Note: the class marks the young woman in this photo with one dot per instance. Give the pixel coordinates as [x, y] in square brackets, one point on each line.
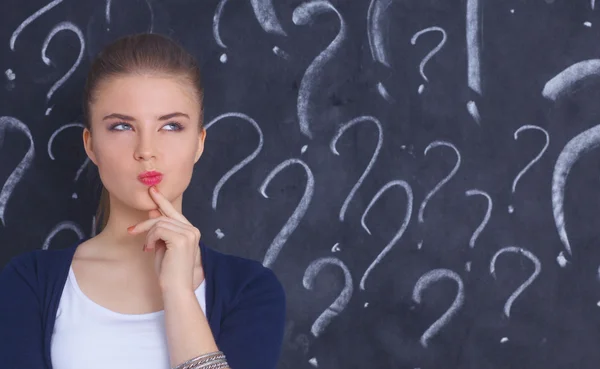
[145, 292]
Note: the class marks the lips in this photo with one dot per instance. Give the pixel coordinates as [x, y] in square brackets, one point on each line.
[150, 178]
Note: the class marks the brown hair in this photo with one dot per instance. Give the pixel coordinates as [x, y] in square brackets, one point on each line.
[143, 53]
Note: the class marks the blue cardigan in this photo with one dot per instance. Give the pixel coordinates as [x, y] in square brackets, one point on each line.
[245, 307]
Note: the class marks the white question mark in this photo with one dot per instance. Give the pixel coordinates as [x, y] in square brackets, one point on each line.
[13, 38]
[486, 218]
[304, 14]
[244, 162]
[586, 141]
[7, 122]
[267, 17]
[413, 40]
[62, 26]
[527, 283]
[29, 20]
[61, 227]
[377, 39]
[334, 141]
[511, 209]
[292, 223]
[340, 302]
[399, 233]
[440, 183]
[473, 25]
[216, 28]
[570, 78]
[51, 140]
[424, 282]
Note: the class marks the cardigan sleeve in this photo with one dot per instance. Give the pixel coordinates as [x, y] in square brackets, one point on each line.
[20, 319]
[251, 333]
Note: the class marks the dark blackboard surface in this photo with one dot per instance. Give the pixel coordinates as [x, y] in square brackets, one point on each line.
[442, 217]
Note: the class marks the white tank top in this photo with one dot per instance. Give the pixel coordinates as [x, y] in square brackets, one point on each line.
[88, 335]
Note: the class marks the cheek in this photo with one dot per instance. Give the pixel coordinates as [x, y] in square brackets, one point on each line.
[183, 154]
[106, 148]
[111, 160]
[182, 163]
[111, 176]
[111, 163]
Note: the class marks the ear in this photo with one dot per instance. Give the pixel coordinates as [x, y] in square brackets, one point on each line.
[201, 138]
[87, 145]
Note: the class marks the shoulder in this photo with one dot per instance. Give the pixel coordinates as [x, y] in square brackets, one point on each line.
[241, 278]
[23, 263]
[20, 272]
[34, 266]
[38, 258]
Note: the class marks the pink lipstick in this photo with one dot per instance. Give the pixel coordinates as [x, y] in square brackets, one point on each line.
[150, 178]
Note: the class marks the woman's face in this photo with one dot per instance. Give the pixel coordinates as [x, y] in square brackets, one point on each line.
[141, 123]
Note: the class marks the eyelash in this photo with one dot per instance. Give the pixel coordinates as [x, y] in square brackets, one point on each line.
[178, 125]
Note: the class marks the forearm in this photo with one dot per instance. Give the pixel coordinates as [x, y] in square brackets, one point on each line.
[188, 332]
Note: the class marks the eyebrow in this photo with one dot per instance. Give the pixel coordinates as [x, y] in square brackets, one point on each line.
[164, 117]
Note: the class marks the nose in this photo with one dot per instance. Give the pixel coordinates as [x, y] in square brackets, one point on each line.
[145, 149]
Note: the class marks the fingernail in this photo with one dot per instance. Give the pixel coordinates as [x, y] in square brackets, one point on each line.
[129, 229]
[153, 189]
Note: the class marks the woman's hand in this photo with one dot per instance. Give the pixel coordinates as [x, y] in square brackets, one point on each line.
[175, 242]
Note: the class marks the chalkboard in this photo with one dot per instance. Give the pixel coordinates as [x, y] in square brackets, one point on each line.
[422, 176]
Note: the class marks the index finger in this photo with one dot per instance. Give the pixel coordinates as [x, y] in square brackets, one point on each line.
[165, 205]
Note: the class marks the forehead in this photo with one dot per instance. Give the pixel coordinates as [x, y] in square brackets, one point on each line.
[145, 94]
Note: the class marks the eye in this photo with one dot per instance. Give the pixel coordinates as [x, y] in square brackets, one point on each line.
[177, 126]
[113, 126]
